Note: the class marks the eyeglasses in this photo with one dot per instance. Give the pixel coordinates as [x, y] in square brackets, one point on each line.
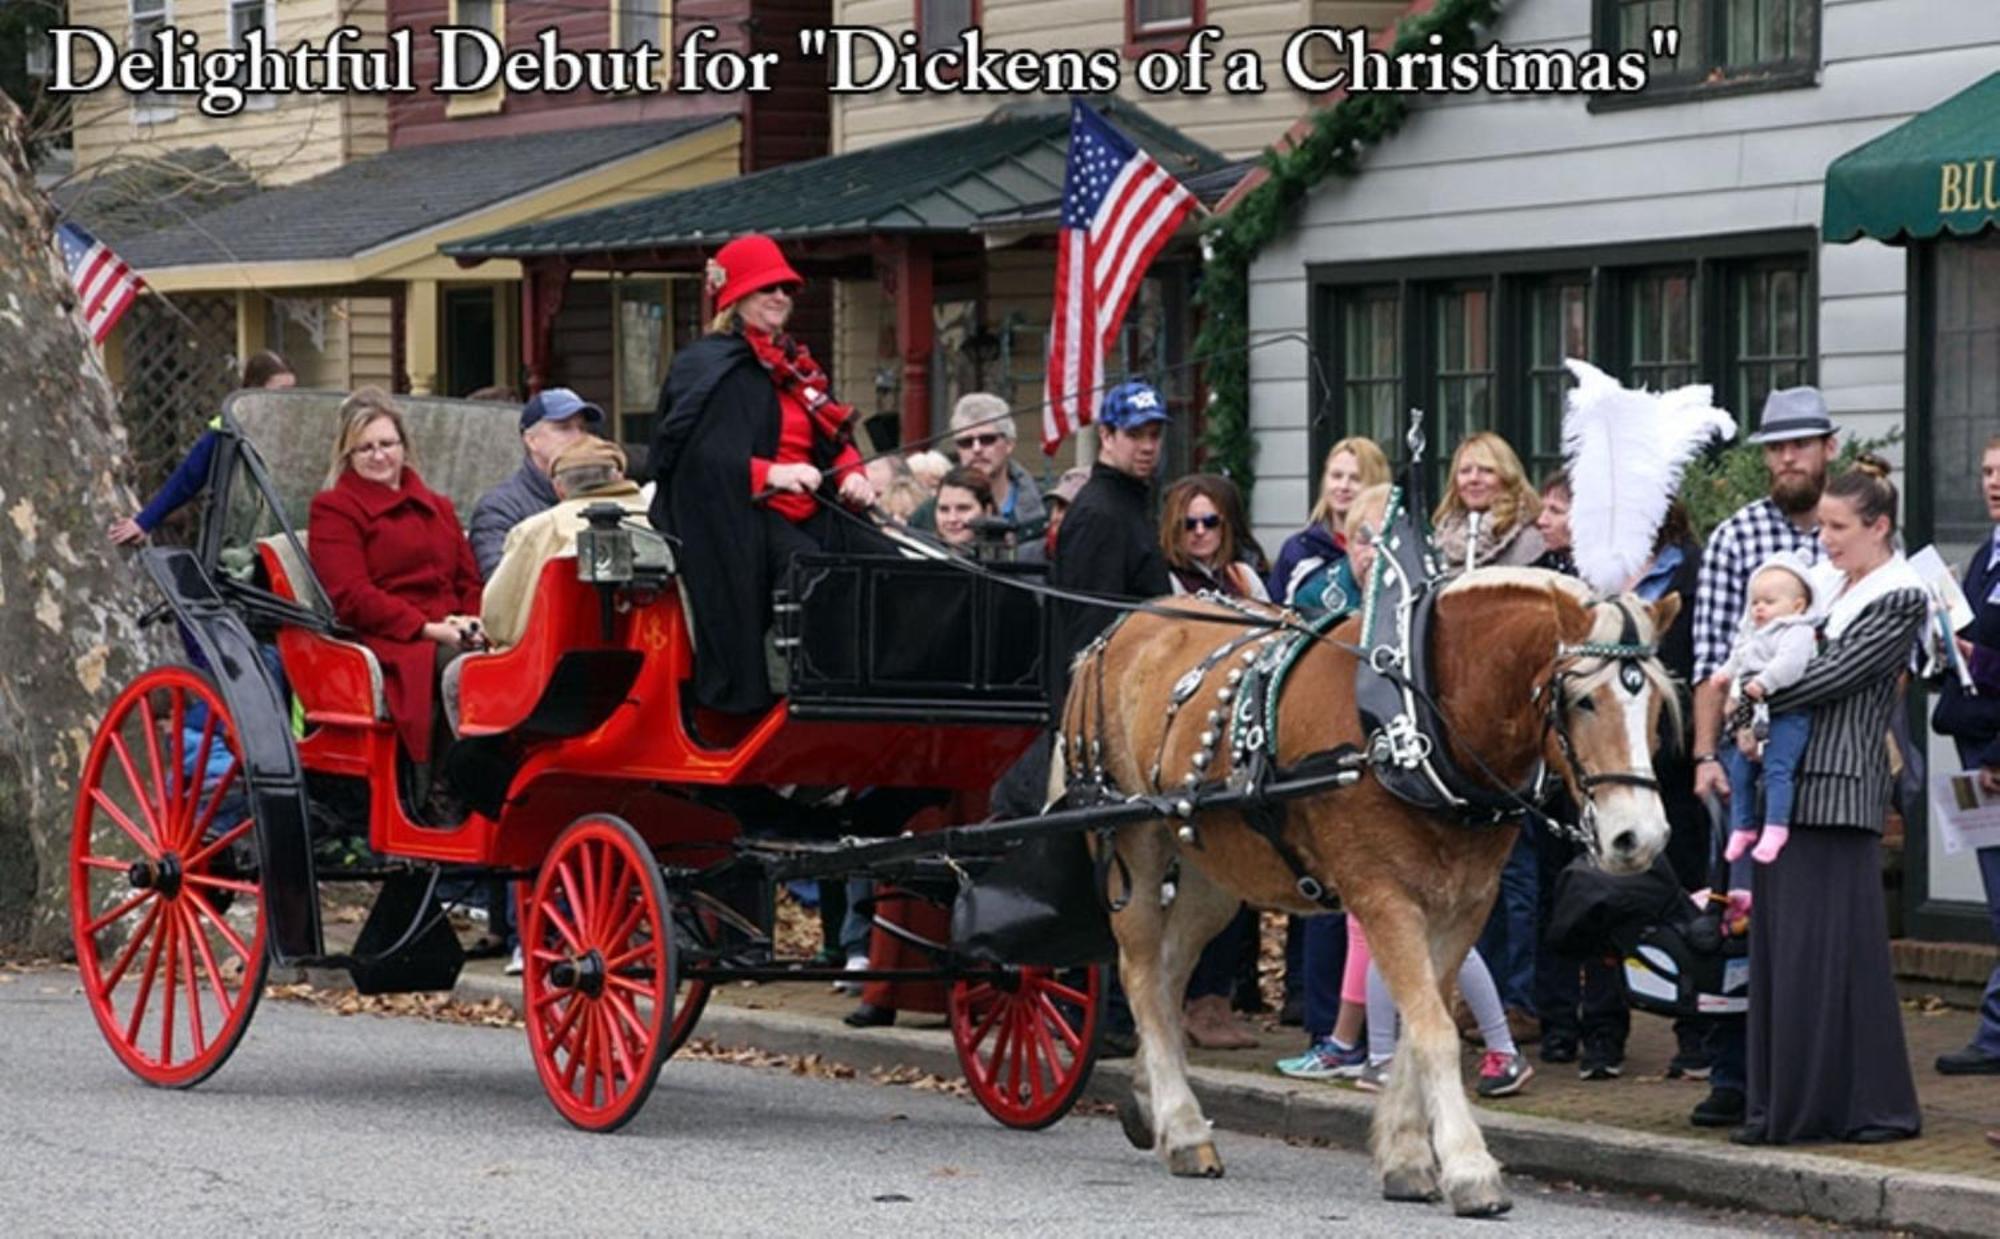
[968, 442]
[1212, 521]
[790, 290]
[382, 447]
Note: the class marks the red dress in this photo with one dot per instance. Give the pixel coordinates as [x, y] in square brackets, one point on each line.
[393, 559]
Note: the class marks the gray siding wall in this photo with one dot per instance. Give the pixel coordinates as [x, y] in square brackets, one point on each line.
[1481, 174]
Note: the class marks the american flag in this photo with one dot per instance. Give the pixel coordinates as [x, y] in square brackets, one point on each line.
[1119, 207]
[105, 284]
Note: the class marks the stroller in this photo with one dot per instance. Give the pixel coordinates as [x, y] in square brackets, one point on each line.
[1678, 962]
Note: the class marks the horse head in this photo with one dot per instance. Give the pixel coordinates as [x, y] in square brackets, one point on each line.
[1603, 696]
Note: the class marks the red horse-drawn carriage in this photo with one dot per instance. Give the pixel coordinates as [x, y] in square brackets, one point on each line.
[647, 835]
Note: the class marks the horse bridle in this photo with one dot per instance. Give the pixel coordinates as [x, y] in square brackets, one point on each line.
[1631, 655]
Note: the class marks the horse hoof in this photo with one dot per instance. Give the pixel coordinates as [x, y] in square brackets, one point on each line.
[1196, 1161]
[1132, 1117]
[1481, 1200]
[1415, 1186]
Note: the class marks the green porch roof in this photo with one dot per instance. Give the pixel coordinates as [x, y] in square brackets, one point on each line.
[1936, 172]
[942, 182]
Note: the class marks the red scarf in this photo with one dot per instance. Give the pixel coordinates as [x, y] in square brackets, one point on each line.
[795, 372]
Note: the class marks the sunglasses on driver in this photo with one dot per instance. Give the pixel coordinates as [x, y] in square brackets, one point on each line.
[1212, 521]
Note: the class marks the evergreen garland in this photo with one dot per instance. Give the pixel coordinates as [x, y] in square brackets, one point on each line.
[1339, 136]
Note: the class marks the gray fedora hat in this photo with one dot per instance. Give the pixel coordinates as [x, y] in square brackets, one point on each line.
[1793, 413]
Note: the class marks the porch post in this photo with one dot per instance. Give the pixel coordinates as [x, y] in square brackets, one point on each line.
[543, 282]
[420, 337]
[916, 328]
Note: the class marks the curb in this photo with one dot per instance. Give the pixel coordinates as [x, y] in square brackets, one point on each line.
[1828, 1189]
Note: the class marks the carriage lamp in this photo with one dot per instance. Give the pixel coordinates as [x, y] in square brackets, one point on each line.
[604, 550]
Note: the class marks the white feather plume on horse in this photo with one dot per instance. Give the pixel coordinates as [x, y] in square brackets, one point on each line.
[1626, 448]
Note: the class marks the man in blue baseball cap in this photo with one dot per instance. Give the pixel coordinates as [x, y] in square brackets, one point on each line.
[554, 420]
[1108, 544]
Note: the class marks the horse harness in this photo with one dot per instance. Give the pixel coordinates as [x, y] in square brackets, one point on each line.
[1258, 662]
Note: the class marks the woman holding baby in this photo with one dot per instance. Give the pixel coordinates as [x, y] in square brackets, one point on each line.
[1827, 1060]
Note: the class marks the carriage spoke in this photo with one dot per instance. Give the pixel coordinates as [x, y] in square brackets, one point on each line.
[150, 970]
[215, 799]
[559, 1027]
[583, 895]
[624, 1010]
[111, 863]
[617, 1063]
[1064, 993]
[1020, 1047]
[91, 930]
[613, 981]
[188, 961]
[168, 992]
[1052, 1018]
[200, 938]
[132, 781]
[176, 774]
[579, 1048]
[117, 815]
[994, 1011]
[571, 903]
[225, 884]
[191, 789]
[611, 883]
[131, 950]
[625, 959]
[569, 936]
[163, 826]
[234, 833]
[1052, 1061]
[628, 926]
[215, 918]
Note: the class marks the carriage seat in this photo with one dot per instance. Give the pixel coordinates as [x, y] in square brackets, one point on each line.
[336, 681]
[563, 678]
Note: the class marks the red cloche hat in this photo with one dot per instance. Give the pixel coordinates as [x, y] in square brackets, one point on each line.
[744, 266]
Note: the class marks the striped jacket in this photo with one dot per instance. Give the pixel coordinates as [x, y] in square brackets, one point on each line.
[1852, 688]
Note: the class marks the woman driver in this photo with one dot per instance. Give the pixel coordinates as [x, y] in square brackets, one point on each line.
[747, 431]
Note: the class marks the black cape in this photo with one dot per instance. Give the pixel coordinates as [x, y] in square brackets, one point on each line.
[718, 408]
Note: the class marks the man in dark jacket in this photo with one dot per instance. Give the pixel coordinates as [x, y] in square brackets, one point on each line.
[1109, 542]
[555, 419]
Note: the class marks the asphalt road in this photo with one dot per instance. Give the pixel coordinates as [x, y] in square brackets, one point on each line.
[365, 1124]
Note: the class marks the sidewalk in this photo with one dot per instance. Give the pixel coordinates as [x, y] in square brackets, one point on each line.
[1630, 1133]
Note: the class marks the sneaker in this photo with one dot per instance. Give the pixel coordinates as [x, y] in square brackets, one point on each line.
[1689, 1066]
[1600, 1064]
[1558, 1047]
[1374, 1077]
[855, 963]
[1326, 1060]
[514, 964]
[1502, 1075]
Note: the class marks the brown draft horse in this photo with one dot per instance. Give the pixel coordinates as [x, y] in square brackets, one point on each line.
[1422, 885]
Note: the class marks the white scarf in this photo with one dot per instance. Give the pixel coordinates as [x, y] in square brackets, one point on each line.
[1850, 600]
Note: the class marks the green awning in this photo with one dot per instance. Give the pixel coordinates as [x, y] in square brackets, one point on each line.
[1937, 172]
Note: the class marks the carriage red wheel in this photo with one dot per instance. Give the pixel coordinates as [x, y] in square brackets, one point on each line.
[1027, 1039]
[692, 997]
[598, 975]
[166, 904]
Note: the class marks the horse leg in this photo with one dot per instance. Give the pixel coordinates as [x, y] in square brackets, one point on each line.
[1157, 949]
[1400, 1138]
[1469, 1174]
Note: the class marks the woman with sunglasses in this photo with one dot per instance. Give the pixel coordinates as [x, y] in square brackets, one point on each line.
[1202, 545]
[747, 439]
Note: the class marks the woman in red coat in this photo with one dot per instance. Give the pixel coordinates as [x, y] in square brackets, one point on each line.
[396, 565]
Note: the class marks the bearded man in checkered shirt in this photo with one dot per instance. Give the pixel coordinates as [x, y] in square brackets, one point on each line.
[1799, 441]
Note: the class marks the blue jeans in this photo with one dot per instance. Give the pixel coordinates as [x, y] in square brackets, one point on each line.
[1325, 957]
[1782, 750]
[1514, 929]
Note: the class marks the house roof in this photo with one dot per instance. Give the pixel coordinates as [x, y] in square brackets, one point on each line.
[948, 181]
[373, 201]
[125, 198]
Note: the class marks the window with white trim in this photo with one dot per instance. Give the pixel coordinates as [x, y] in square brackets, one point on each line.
[244, 17]
[149, 17]
[638, 22]
[490, 16]
[940, 22]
